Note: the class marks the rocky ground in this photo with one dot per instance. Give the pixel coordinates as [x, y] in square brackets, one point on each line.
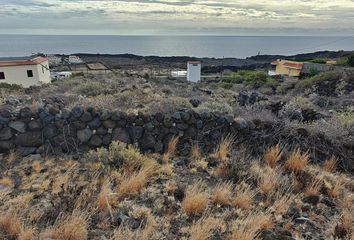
[122, 194]
[249, 187]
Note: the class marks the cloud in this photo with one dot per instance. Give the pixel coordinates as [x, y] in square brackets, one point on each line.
[163, 16]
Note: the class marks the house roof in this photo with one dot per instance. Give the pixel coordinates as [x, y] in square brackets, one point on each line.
[293, 65]
[96, 66]
[21, 61]
[194, 62]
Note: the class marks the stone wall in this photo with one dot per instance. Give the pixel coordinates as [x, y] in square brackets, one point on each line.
[54, 131]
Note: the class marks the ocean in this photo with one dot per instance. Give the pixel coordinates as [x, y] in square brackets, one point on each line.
[197, 46]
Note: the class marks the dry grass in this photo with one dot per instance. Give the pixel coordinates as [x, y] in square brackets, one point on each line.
[244, 196]
[204, 227]
[282, 204]
[6, 181]
[196, 200]
[37, 166]
[273, 155]
[335, 189]
[248, 228]
[27, 233]
[330, 165]
[11, 225]
[132, 184]
[222, 194]
[196, 153]
[146, 233]
[268, 180]
[314, 187]
[345, 227]
[297, 161]
[224, 148]
[72, 227]
[105, 198]
[171, 149]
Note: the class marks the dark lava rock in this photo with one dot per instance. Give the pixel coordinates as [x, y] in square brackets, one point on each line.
[35, 125]
[312, 199]
[50, 131]
[328, 202]
[179, 193]
[86, 117]
[106, 114]
[25, 112]
[95, 141]
[293, 211]
[249, 98]
[195, 102]
[84, 135]
[303, 220]
[95, 123]
[120, 134]
[5, 134]
[29, 139]
[77, 111]
[18, 126]
[109, 124]
[6, 145]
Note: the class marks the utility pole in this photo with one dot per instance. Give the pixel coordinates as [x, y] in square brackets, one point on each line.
[222, 68]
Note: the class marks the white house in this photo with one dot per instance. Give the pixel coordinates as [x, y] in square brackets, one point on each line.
[25, 71]
[194, 69]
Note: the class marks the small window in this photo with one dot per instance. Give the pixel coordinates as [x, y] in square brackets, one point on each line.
[2, 75]
[29, 73]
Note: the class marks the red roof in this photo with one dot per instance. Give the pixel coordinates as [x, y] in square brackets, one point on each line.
[293, 65]
[194, 62]
[22, 62]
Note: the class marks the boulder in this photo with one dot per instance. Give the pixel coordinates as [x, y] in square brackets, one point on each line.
[29, 139]
[50, 131]
[109, 124]
[95, 141]
[5, 134]
[18, 126]
[84, 135]
[6, 145]
[86, 117]
[77, 111]
[25, 112]
[195, 102]
[95, 123]
[35, 125]
[120, 134]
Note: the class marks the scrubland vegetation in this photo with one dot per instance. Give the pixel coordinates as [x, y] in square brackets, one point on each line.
[298, 188]
[120, 193]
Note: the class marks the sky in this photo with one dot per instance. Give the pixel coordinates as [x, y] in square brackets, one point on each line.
[178, 17]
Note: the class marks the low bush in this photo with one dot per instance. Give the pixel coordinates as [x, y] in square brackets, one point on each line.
[254, 79]
[10, 87]
[310, 82]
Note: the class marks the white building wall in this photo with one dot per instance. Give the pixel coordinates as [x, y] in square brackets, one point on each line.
[18, 75]
[194, 72]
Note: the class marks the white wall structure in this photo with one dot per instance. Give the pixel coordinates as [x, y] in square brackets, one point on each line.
[26, 71]
[194, 69]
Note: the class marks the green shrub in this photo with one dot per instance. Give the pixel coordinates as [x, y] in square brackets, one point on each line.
[319, 60]
[11, 87]
[351, 61]
[326, 76]
[254, 79]
[225, 85]
[92, 89]
[214, 105]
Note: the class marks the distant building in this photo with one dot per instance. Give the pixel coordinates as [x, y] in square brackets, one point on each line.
[54, 59]
[25, 71]
[178, 73]
[58, 75]
[94, 68]
[194, 69]
[285, 67]
[74, 59]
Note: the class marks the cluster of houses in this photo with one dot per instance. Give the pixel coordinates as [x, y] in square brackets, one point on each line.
[29, 71]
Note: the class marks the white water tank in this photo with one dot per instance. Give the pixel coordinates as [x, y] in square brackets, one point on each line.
[194, 69]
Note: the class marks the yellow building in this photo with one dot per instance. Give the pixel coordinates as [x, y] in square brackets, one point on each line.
[289, 68]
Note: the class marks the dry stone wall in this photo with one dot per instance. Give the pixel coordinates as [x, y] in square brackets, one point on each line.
[54, 131]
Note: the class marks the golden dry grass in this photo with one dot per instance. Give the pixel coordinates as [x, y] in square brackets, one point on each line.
[244, 196]
[335, 189]
[196, 200]
[268, 179]
[314, 187]
[330, 165]
[72, 227]
[222, 194]
[273, 155]
[297, 161]
[132, 184]
[105, 198]
[204, 227]
[248, 228]
[11, 225]
[171, 149]
[224, 148]
[6, 181]
[196, 153]
[37, 166]
[27, 233]
[282, 204]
